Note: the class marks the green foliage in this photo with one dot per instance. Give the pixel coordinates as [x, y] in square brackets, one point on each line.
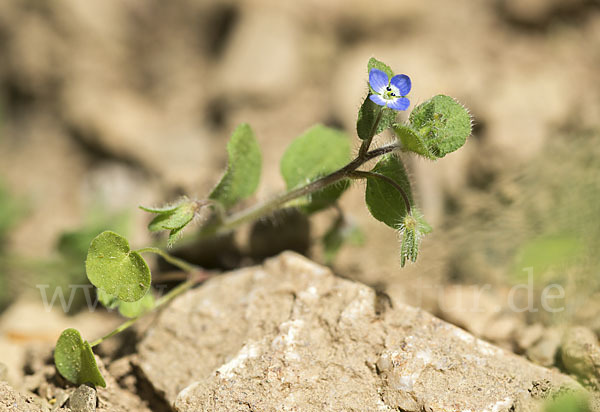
[243, 170]
[567, 402]
[412, 142]
[111, 265]
[437, 127]
[376, 64]
[367, 115]
[135, 309]
[385, 203]
[127, 309]
[108, 301]
[75, 360]
[546, 252]
[340, 232]
[317, 152]
[173, 218]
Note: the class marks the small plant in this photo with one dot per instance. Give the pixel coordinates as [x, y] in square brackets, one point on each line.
[317, 168]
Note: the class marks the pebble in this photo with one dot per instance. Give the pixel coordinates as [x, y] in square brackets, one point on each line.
[83, 399]
[529, 335]
[544, 351]
[580, 353]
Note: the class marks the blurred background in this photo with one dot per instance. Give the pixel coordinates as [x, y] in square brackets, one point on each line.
[108, 105]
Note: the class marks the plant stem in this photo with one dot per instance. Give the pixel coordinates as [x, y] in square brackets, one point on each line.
[178, 290]
[364, 147]
[181, 264]
[271, 205]
[357, 174]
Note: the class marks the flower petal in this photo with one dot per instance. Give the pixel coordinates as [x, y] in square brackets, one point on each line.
[400, 103]
[378, 80]
[403, 83]
[375, 98]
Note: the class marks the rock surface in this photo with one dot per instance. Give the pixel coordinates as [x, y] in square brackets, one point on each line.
[11, 400]
[290, 336]
[83, 399]
[580, 354]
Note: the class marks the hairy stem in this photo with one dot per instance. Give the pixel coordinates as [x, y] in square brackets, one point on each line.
[181, 264]
[364, 175]
[269, 206]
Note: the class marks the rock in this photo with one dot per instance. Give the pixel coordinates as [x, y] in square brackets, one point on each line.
[13, 401]
[290, 336]
[544, 351]
[503, 329]
[469, 306]
[529, 335]
[580, 354]
[83, 399]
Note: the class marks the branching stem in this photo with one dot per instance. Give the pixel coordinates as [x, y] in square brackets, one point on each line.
[195, 275]
[269, 206]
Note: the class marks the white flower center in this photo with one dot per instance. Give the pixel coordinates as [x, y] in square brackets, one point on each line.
[391, 93]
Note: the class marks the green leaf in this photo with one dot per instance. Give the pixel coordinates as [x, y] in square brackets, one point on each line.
[412, 142]
[108, 301]
[367, 115]
[340, 232]
[324, 198]
[112, 266]
[441, 124]
[316, 153]
[384, 202]
[135, 309]
[174, 219]
[160, 209]
[243, 170]
[75, 360]
[376, 64]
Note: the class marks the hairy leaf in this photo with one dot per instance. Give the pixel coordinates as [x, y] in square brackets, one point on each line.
[243, 170]
[112, 266]
[317, 152]
[385, 203]
[412, 141]
[376, 64]
[441, 124]
[175, 218]
[367, 115]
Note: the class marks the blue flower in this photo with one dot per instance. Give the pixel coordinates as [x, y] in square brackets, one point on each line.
[389, 93]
